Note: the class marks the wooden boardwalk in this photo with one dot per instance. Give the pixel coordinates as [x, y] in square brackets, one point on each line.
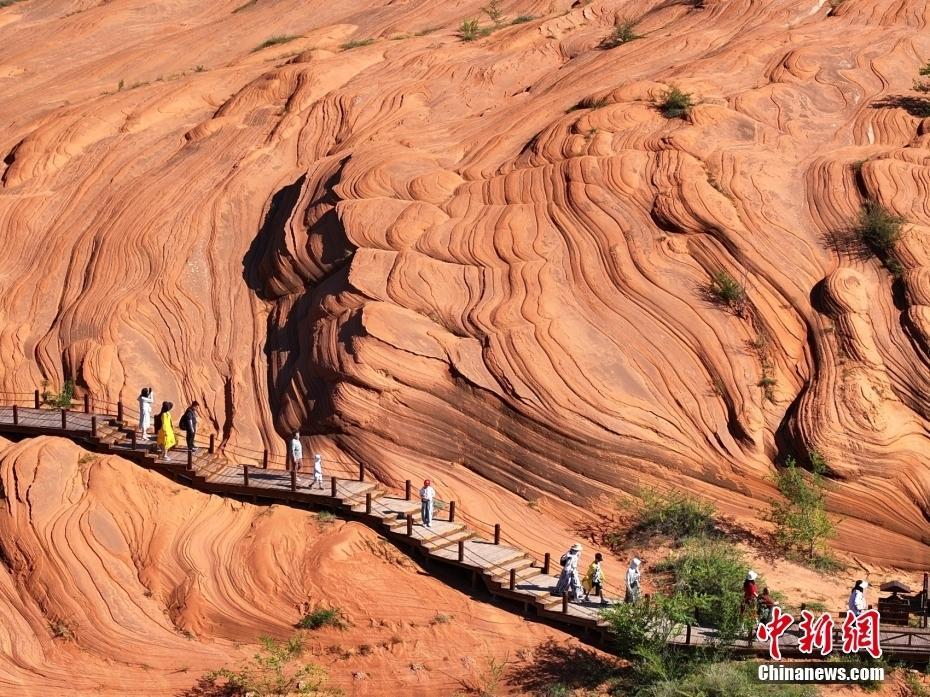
[507, 572]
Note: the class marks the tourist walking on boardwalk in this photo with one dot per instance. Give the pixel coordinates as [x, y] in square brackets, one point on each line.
[632, 581]
[595, 579]
[750, 593]
[145, 411]
[317, 470]
[857, 604]
[297, 452]
[188, 423]
[165, 437]
[427, 494]
[568, 579]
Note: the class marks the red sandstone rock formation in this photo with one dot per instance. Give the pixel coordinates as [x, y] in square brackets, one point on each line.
[420, 251]
[115, 581]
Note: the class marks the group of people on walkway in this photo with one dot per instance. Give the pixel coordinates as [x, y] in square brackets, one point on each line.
[579, 589]
[163, 424]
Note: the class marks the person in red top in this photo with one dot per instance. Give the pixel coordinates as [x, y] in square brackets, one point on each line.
[765, 604]
[750, 593]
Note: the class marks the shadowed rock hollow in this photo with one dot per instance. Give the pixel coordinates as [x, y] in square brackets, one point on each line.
[486, 260]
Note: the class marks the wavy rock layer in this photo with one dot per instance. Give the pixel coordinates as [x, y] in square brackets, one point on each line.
[423, 254]
[116, 581]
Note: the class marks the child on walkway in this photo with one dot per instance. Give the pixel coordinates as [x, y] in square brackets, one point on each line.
[317, 470]
[594, 579]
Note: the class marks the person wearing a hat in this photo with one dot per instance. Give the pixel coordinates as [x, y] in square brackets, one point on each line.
[427, 494]
[632, 581]
[317, 470]
[750, 593]
[857, 604]
[568, 579]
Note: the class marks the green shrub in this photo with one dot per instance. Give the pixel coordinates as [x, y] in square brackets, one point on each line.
[323, 617]
[802, 526]
[709, 575]
[725, 679]
[925, 70]
[676, 104]
[879, 229]
[522, 19]
[470, 30]
[623, 33]
[673, 513]
[275, 41]
[555, 690]
[60, 400]
[727, 291]
[356, 43]
[637, 628]
[274, 670]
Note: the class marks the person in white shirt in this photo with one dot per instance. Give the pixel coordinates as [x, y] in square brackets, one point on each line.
[632, 581]
[145, 411]
[297, 452]
[317, 470]
[857, 604]
[427, 494]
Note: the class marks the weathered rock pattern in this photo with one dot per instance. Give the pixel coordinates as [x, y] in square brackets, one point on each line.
[116, 581]
[486, 260]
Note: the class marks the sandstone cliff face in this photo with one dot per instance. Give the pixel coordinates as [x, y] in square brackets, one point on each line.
[486, 260]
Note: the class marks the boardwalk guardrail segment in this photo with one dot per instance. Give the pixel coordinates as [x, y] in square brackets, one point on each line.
[458, 540]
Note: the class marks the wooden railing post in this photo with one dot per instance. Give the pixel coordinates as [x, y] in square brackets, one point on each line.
[212, 443]
[451, 511]
[293, 480]
[409, 525]
[15, 415]
[265, 459]
[86, 403]
[245, 475]
[461, 550]
[332, 487]
[497, 533]
[132, 439]
[407, 489]
[64, 419]
[546, 560]
[513, 579]
[688, 634]
[119, 411]
[37, 402]
[565, 602]
[93, 426]
[361, 471]
[368, 503]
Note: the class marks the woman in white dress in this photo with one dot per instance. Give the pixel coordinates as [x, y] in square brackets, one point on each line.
[145, 411]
